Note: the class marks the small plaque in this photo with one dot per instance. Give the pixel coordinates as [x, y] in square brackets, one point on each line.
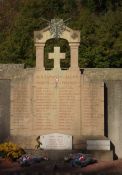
[98, 144]
[56, 141]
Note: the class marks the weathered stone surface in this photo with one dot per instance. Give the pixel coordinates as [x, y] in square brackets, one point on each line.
[103, 74]
[98, 145]
[53, 100]
[114, 94]
[92, 107]
[10, 67]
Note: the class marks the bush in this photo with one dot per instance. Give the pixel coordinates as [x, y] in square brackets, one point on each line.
[11, 150]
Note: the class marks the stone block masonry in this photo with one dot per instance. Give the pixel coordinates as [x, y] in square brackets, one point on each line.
[35, 102]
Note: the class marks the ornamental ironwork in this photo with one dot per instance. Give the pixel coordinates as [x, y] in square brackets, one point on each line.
[57, 27]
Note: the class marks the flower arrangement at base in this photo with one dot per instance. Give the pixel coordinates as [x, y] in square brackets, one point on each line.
[11, 150]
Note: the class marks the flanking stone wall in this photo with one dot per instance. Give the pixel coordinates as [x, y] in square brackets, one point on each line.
[21, 106]
[92, 107]
[112, 78]
[15, 84]
[103, 74]
[115, 114]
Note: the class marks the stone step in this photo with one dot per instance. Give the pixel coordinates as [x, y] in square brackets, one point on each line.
[58, 155]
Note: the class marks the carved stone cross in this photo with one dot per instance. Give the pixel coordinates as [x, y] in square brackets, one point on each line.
[57, 55]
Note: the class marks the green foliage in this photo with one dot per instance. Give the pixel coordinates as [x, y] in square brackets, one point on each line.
[101, 6]
[11, 150]
[99, 22]
[101, 40]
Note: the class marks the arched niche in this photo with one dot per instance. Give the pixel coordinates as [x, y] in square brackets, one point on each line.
[64, 47]
[42, 36]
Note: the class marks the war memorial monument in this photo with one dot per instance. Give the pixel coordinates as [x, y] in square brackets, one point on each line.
[68, 109]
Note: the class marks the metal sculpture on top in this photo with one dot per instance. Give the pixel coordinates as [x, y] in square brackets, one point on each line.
[57, 26]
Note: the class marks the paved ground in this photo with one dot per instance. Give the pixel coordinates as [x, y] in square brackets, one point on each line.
[48, 167]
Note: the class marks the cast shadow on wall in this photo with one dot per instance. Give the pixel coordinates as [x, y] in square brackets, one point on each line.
[4, 110]
[115, 157]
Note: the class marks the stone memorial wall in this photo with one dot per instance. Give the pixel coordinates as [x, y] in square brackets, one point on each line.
[54, 94]
[36, 102]
[55, 101]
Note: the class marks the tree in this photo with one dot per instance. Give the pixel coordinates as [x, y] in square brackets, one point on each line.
[101, 38]
[99, 22]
